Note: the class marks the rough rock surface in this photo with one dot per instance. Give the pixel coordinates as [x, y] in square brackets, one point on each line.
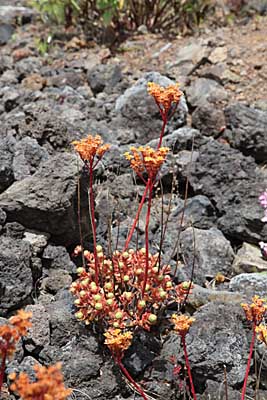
[45, 201]
[15, 283]
[248, 130]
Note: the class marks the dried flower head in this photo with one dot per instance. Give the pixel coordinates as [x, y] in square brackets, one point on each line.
[118, 341]
[90, 147]
[256, 310]
[182, 323]
[262, 333]
[12, 332]
[164, 96]
[49, 384]
[146, 159]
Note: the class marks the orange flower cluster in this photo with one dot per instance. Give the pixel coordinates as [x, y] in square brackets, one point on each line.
[117, 341]
[90, 147]
[11, 333]
[182, 323]
[262, 333]
[146, 159]
[118, 300]
[164, 96]
[256, 310]
[49, 384]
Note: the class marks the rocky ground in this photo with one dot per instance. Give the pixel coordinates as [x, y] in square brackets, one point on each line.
[47, 102]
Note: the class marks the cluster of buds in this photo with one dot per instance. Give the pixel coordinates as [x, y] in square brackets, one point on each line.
[13, 331]
[49, 384]
[117, 300]
[145, 159]
[256, 310]
[91, 147]
[165, 97]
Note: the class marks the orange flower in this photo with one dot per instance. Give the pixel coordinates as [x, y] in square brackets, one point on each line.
[10, 334]
[117, 341]
[182, 323]
[89, 147]
[256, 310]
[262, 333]
[164, 97]
[21, 321]
[147, 159]
[49, 384]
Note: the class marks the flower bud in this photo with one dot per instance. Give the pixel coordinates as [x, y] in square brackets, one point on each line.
[126, 278]
[80, 270]
[118, 315]
[79, 315]
[152, 319]
[99, 248]
[98, 306]
[141, 304]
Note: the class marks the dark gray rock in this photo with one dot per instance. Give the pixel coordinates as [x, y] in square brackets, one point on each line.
[204, 90]
[15, 273]
[7, 145]
[209, 120]
[104, 77]
[57, 257]
[233, 183]
[2, 217]
[137, 109]
[248, 130]
[199, 212]
[250, 284]
[44, 125]
[215, 339]
[180, 139]
[45, 200]
[6, 32]
[39, 334]
[55, 280]
[208, 252]
[28, 155]
[64, 326]
[14, 230]
[72, 79]
[143, 350]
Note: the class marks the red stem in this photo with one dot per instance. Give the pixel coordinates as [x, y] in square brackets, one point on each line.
[2, 369]
[188, 368]
[164, 119]
[92, 210]
[150, 185]
[249, 361]
[136, 218]
[128, 376]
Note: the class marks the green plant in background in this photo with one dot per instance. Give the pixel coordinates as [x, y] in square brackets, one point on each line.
[56, 11]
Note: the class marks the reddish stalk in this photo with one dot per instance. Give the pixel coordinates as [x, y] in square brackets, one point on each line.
[249, 361]
[164, 119]
[188, 368]
[136, 218]
[2, 369]
[92, 216]
[130, 379]
[150, 185]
